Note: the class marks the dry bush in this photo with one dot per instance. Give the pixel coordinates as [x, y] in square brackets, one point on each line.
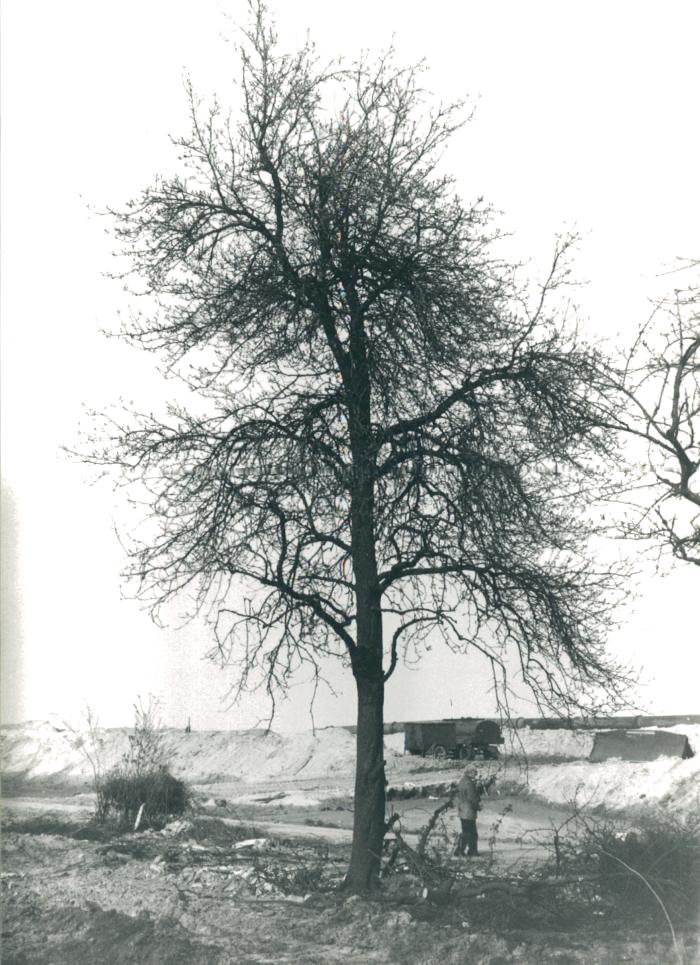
[652, 871]
[140, 788]
[125, 793]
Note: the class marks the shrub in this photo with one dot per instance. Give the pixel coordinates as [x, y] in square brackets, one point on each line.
[124, 791]
[146, 750]
[88, 739]
[142, 780]
[652, 871]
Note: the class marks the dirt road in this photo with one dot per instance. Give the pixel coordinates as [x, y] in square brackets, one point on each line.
[510, 829]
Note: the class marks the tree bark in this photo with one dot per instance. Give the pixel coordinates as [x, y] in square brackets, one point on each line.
[368, 831]
[367, 656]
[370, 791]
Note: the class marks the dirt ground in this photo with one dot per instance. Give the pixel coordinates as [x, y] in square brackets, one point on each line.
[512, 829]
[197, 893]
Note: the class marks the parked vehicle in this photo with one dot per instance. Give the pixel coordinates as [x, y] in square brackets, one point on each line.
[467, 738]
[639, 745]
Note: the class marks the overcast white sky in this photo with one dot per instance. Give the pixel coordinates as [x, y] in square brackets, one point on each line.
[587, 117]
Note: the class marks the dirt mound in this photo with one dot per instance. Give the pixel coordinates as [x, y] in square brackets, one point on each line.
[41, 752]
[75, 936]
[619, 785]
[316, 766]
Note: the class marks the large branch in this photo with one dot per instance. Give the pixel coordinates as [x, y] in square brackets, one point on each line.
[313, 600]
[460, 394]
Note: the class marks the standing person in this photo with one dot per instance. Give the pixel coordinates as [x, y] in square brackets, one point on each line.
[468, 803]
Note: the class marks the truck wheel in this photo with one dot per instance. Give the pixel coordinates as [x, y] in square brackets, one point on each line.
[438, 752]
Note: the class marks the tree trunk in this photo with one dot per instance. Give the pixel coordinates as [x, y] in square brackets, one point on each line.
[368, 829]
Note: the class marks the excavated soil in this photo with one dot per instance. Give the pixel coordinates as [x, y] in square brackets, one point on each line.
[74, 893]
[198, 894]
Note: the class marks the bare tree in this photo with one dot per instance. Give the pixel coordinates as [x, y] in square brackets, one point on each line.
[392, 436]
[658, 384]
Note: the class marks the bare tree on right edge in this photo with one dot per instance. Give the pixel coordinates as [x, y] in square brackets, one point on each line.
[659, 383]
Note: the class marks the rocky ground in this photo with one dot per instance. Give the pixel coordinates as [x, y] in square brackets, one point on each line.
[252, 874]
[210, 890]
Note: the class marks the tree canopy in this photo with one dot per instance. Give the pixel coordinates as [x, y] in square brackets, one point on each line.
[394, 435]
